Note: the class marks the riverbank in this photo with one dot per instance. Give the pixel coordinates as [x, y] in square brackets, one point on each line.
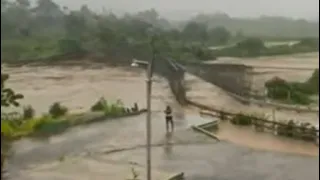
[46, 126]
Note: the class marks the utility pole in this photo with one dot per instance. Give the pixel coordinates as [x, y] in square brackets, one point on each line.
[150, 66]
[148, 119]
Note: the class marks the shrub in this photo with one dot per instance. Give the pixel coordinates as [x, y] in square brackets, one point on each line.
[297, 97]
[310, 134]
[135, 174]
[253, 44]
[307, 131]
[28, 112]
[258, 121]
[100, 105]
[46, 125]
[287, 129]
[8, 96]
[7, 128]
[223, 115]
[110, 109]
[13, 130]
[135, 107]
[241, 119]
[312, 84]
[57, 110]
[294, 92]
[115, 109]
[202, 53]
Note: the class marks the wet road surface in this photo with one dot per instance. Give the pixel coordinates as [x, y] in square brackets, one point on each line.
[249, 137]
[121, 143]
[225, 161]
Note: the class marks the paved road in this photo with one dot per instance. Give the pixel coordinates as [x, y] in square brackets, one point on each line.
[225, 161]
[120, 143]
[106, 136]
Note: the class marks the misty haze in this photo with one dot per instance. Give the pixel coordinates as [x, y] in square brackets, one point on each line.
[179, 9]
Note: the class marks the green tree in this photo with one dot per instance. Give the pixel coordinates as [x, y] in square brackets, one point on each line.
[150, 16]
[8, 96]
[219, 35]
[195, 31]
[75, 25]
[252, 45]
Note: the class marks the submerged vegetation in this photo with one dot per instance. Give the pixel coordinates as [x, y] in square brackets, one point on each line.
[293, 92]
[290, 128]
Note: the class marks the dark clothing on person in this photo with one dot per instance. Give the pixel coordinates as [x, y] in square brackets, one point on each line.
[169, 118]
[169, 122]
[168, 111]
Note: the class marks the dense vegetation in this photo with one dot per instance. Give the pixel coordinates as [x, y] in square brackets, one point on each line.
[268, 27]
[253, 47]
[43, 30]
[294, 92]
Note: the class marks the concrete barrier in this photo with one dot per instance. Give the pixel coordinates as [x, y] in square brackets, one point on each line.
[202, 130]
[275, 105]
[179, 176]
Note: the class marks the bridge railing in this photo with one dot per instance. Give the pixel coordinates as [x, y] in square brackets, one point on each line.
[288, 128]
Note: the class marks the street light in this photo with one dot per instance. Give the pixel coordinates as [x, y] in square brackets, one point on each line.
[136, 63]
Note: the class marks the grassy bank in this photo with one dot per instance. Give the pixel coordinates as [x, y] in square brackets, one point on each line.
[58, 120]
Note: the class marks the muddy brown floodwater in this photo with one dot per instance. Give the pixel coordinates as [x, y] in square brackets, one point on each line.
[79, 88]
[211, 95]
[247, 136]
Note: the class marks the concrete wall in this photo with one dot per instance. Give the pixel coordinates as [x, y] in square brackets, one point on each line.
[179, 176]
[233, 78]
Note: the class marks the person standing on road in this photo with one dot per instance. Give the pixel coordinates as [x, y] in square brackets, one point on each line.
[169, 119]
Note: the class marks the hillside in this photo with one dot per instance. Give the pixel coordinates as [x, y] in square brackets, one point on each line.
[265, 26]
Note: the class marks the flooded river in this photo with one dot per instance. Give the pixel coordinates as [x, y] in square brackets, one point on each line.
[78, 88]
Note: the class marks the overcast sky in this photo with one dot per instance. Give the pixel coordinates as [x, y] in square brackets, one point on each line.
[179, 8]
